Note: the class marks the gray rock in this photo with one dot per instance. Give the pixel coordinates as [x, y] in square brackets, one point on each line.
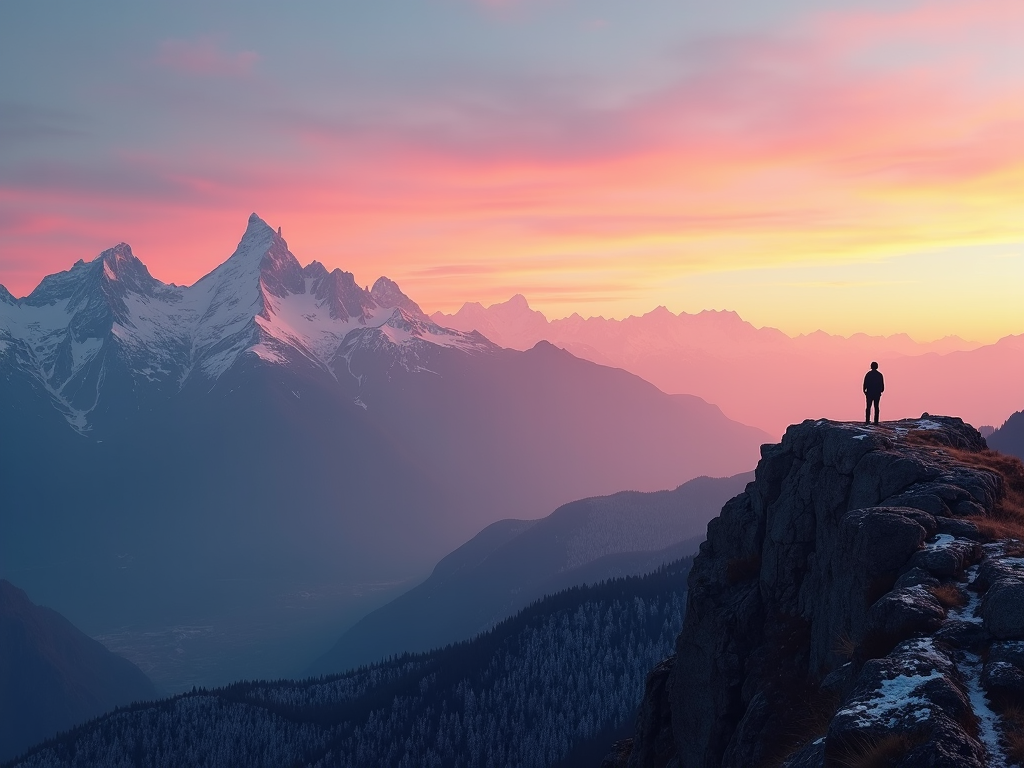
[947, 559]
[1009, 651]
[619, 754]
[1002, 609]
[811, 756]
[914, 577]
[948, 746]
[965, 635]
[1003, 680]
[840, 681]
[960, 529]
[653, 744]
[969, 509]
[909, 704]
[902, 613]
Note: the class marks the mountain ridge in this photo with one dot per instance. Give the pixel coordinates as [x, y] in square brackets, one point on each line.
[713, 354]
[110, 317]
[245, 433]
[511, 563]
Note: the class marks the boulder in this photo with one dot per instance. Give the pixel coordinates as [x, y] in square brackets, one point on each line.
[1002, 609]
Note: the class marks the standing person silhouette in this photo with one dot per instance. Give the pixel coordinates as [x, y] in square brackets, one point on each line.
[874, 386]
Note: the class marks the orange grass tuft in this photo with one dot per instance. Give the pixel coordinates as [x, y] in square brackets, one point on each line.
[949, 596]
[881, 752]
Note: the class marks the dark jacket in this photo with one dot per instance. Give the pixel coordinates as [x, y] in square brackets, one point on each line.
[874, 384]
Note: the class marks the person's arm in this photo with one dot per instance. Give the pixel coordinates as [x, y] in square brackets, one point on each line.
[866, 383]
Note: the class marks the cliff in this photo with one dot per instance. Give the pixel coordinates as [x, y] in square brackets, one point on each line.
[860, 604]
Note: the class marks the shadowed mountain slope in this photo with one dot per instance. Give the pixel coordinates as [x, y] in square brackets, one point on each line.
[1009, 438]
[52, 676]
[511, 563]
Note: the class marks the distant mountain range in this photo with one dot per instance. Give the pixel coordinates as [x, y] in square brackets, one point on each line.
[52, 676]
[763, 377]
[171, 452]
[511, 563]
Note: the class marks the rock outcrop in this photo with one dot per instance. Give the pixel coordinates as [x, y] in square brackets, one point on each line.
[861, 603]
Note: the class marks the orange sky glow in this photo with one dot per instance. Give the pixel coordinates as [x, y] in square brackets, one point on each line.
[850, 170]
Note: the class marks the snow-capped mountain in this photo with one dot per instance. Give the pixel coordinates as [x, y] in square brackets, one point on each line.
[109, 320]
[274, 424]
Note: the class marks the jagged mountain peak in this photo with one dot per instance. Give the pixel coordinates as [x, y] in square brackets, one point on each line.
[6, 296]
[344, 298]
[108, 319]
[315, 270]
[262, 255]
[122, 271]
[387, 294]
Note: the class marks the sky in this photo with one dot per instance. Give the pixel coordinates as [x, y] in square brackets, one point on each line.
[848, 166]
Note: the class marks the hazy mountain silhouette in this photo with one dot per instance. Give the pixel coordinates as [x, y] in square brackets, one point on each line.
[52, 676]
[511, 563]
[1009, 438]
[275, 435]
[763, 377]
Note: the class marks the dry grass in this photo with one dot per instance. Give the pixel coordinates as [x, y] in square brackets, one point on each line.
[880, 752]
[949, 596]
[1013, 732]
[843, 646]
[1007, 520]
[1010, 507]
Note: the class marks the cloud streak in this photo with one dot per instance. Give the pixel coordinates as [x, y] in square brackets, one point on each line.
[844, 137]
[204, 57]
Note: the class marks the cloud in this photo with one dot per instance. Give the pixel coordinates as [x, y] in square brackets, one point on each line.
[20, 122]
[204, 56]
[846, 136]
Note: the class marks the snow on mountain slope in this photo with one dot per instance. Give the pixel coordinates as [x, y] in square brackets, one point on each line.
[110, 317]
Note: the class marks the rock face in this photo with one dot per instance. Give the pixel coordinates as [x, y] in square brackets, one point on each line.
[846, 610]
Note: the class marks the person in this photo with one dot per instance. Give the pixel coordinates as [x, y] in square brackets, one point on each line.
[874, 386]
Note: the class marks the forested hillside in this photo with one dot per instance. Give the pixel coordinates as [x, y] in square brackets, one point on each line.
[562, 671]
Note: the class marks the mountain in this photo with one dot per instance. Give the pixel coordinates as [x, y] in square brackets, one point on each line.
[1009, 438]
[859, 604]
[276, 449]
[52, 676]
[763, 377]
[537, 689]
[512, 563]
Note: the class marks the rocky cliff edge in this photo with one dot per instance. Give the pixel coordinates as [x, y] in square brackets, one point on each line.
[860, 604]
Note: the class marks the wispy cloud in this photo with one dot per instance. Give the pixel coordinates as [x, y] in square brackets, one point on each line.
[845, 136]
[204, 56]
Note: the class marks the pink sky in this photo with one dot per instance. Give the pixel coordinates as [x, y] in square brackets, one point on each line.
[804, 168]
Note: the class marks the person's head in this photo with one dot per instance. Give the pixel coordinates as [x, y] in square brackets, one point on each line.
[874, 366]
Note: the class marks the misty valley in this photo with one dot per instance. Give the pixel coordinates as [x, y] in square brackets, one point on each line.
[276, 518]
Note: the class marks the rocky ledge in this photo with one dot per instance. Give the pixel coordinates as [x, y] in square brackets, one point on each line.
[860, 604]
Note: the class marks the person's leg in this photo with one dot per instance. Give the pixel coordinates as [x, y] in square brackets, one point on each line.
[876, 400]
[867, 410]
